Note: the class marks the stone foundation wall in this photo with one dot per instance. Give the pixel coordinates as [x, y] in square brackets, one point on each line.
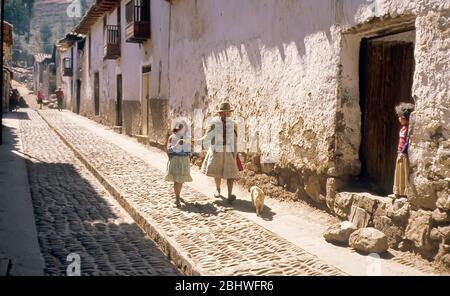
[406, 226]
[131, 117]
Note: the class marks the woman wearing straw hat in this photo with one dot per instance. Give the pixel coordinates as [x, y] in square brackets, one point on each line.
[221, 141]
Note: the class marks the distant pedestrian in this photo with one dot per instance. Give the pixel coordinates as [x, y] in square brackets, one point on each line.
[178, 165]
[60, 98]
[401, 183]
[40, 99]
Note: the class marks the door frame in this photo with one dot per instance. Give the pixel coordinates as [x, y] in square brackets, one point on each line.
[145, 99]
[380, 184]
[119, 100]
[96, 93]
[78, 96]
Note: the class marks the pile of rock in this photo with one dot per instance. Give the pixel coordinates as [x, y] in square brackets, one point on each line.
[376, 223]
[365, 240]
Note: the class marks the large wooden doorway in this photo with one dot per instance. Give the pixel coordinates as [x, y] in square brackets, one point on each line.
[386, 77]
[146, 84]
[78, 97]
[96, 93]
[119, 101]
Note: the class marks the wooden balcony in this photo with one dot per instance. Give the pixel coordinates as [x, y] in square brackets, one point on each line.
[137, 21]
[67, 67]
[111, 48]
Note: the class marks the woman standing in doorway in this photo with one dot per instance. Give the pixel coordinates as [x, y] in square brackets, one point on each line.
[401, 184]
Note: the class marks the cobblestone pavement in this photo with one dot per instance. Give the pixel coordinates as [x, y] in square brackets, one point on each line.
[74, 213]
[205, 232]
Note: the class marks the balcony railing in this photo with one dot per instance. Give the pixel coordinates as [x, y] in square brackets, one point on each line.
[137, 14]
[67, 67]
[112, 42]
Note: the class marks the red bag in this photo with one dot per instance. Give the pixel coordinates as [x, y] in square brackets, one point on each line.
[239, 163]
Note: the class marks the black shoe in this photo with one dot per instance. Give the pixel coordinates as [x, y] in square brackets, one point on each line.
[231, 198]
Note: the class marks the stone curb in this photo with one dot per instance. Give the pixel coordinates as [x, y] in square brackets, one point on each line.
[169, 247]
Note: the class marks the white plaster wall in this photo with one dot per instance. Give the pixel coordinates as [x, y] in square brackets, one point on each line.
[159, 43]
[277, 60]
[430, 140]
[133, 57]
[65, 80]
[289, 64]
[106, 70]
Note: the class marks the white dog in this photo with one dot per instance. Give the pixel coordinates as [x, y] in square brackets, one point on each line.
[257, 199]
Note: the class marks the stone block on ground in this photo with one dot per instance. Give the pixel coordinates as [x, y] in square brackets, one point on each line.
[359, 217]
[435, 234]
[342, 204]
[443, 202]
[419, 227]
[445, 259]
[369, 240]
[332, 185]
[399, 211]
[312, 188]
[366, 201]
[339, 232]
[445, 233]
[425, 196]
[393, 232]
[440, 216]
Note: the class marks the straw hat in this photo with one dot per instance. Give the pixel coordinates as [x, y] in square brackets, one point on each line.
[224, 107]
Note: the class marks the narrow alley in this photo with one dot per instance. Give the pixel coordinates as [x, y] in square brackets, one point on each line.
[225, 139]
[93, 195]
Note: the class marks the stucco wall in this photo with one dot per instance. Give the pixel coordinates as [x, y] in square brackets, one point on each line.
[289, 65]
[430, 143]
[274, 60]
[133, 57]
[430, 147]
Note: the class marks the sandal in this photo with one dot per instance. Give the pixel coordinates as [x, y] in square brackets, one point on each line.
[177, 203]
[231, 198]
[217, 195]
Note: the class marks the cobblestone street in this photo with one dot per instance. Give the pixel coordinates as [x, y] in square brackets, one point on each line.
[179, 139]
[203, 237]
[74, 213]
[98, 197]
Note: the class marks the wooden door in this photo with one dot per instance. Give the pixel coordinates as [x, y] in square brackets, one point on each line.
[119, 101]
[145, 102]
[78, 98]
[97, 94]
[387, 69]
